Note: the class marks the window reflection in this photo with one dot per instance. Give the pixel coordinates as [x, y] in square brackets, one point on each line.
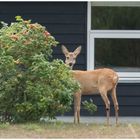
[104, 17]
[123, 55]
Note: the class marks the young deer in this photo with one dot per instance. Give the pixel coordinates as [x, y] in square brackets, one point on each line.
[98, 81]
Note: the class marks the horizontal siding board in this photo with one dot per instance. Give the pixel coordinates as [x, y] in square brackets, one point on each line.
[128, 90]
[124, 111]
[67, 28]
[49, 19]
[42, 7]
[58, 51]
[79, 66]
[120, 93]
[130, 101]
[70, 38]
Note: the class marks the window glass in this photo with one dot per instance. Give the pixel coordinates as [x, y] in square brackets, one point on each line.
[117, 18]
[123, 55]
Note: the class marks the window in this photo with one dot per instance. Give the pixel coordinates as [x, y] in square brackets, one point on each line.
[114, 38]
[122, 55]
[122, 18]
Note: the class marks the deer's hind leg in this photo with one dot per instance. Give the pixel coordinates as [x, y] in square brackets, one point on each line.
[77, 106]
[115, 102]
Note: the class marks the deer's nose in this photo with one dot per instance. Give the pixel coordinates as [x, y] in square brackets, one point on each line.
[70, 64]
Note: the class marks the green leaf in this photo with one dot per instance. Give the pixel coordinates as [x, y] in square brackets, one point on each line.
[19, 18]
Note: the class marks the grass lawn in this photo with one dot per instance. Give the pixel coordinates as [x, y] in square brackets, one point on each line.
[68, 130]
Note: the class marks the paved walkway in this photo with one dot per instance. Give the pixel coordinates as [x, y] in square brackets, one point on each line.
[98, 120]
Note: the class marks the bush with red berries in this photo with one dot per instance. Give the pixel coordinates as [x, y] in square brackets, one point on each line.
[31, 86]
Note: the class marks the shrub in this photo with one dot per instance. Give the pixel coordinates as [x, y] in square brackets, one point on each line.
[23, 40]
[8, 82]
[38, 87]
[3, 24]
[90, 106]
[49, 89]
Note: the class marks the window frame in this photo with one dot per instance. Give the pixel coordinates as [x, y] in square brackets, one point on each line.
[125, 77]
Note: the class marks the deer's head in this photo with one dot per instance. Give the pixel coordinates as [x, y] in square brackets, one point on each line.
[71, 56]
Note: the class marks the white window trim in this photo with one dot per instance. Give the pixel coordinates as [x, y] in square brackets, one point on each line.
[125, 77]
[117, 3]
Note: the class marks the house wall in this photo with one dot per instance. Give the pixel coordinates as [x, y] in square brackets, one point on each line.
[67, 22]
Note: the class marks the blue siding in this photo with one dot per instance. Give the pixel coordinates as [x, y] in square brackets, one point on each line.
[66, 21]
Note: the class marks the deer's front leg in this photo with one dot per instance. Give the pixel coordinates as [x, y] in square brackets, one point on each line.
[77, 106]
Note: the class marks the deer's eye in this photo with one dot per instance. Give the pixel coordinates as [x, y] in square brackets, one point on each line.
[67, 57]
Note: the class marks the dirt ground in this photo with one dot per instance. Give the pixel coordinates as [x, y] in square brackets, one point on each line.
[68, 130]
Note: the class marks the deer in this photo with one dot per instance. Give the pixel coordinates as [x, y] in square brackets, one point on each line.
[92, 82]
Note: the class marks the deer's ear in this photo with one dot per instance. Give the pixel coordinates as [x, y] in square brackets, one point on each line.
[78, 50]
[64, 50]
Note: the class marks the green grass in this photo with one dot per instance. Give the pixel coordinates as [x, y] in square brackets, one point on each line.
[32, 127]
[4, 125]
[60, 129]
